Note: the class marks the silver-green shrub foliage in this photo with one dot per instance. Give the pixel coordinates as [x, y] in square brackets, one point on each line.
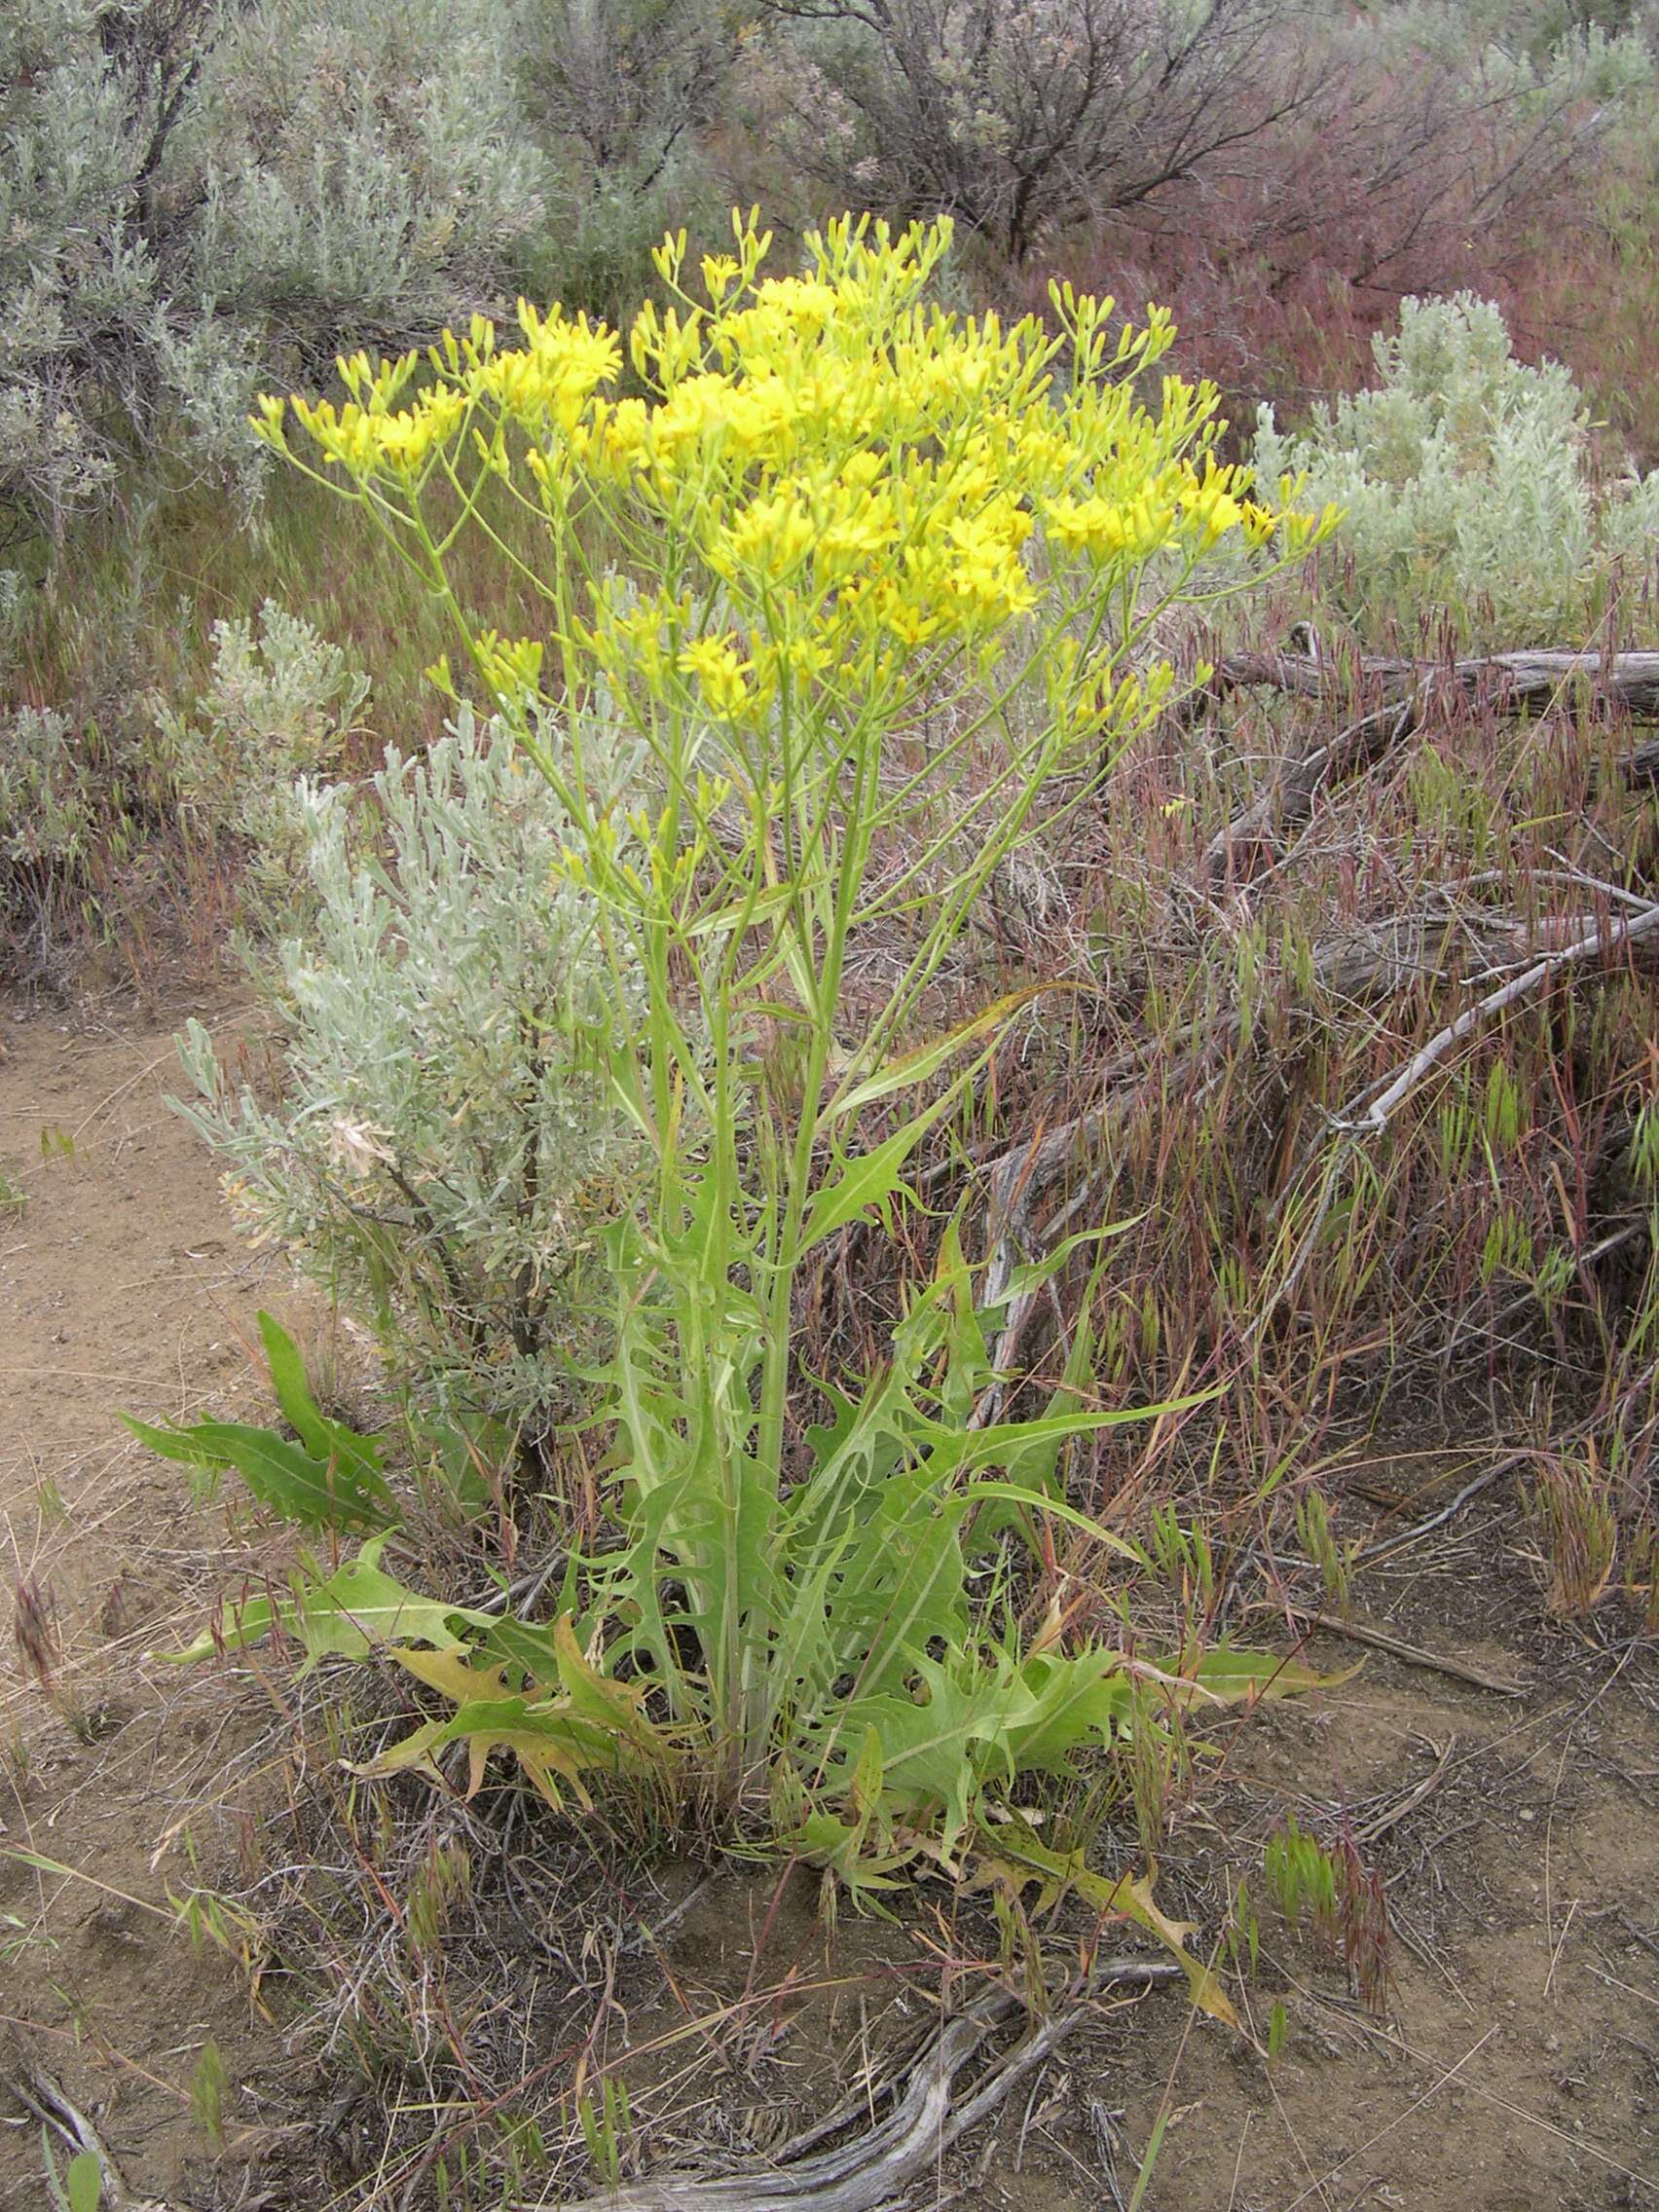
[195, 194]
[46, 807]
[364, 166]
[280, 705]
[1468, 483]
[444, 1148]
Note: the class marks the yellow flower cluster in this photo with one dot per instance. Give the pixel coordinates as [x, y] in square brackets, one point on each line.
[854, 473]
[720, 672]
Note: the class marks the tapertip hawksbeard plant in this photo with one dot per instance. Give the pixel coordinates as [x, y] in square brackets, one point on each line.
[870, 589]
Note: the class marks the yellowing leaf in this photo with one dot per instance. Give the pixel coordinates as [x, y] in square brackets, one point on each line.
[1021, 1859]
[449, 1672]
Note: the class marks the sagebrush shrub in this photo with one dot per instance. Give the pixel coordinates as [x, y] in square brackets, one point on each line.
[365, 167]
[45, 810]
[442, 1148]
[78, 789]
[195, 197]
[1468, 483]
[280, 705]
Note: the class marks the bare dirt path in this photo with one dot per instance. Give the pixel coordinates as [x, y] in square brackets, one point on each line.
[122, 1287]
[1517, 2065]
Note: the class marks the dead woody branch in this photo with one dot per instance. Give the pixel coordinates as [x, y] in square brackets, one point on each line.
[928, 2112]
[1392, 698]
[1511, 681]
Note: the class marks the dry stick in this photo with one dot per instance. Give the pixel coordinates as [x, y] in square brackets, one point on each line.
[1023, 1173]
[1370, 1831]
[1625, 931]
[1373, 962]
[1351, 1130]
[1290, 795]
[46, 2100]
[923, 2120]
[1361, 1632]
[1419, 1528]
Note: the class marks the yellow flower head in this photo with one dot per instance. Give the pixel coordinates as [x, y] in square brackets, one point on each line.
[721, 675]
[850, 471]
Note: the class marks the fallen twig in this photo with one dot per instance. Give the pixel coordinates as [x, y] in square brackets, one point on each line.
[1414, 1655]
[1289, 798]
[1406, 688]
[1373, 962]
[36, 2089]
[1368, 1831]
[1625, 930]
[1448, 1512]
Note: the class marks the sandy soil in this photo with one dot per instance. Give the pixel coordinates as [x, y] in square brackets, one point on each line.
[1517, 2064]
[122, 1288]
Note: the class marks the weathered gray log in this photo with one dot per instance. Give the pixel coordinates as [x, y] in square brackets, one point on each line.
[1594, 942]
[1287, 798]
[1511, 679]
